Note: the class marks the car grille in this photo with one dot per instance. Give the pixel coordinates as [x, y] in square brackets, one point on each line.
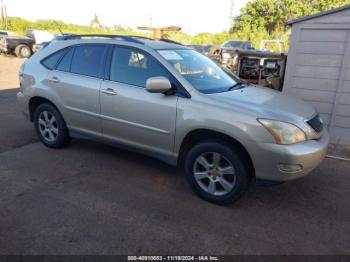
[316, 123]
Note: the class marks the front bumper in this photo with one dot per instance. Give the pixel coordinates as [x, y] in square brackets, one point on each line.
[268, 158]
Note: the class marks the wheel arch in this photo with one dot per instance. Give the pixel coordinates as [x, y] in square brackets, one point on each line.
[35, 101]
[200, 135]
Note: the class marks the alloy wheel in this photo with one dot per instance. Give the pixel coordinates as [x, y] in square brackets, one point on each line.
[48, 126]
[214, 173]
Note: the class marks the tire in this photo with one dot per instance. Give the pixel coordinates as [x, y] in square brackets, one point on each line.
[50, 126]
[238, 179]
[23, 51]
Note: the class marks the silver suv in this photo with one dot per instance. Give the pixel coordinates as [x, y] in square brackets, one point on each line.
[168, 101]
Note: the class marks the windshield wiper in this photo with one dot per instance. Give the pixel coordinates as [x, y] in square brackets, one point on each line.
[239, 85]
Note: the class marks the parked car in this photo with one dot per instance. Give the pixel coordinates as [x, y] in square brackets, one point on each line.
[257, 67]
[21, 46]
[203, 49]
[24, 46]
[231, 45]
[171, 102]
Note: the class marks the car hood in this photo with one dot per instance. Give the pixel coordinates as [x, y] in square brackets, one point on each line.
[266, 102]
[18, 37]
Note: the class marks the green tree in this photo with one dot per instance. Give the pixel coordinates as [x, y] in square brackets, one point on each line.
[18, 24]
[267, 19]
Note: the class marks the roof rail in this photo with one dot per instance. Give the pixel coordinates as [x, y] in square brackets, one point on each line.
[121, 37]
[129, 38]
[170, 41]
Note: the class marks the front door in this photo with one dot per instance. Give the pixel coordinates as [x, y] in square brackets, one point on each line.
[129, 113]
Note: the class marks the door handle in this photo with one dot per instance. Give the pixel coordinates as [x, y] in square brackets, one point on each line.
[54, 79]
[109, 91]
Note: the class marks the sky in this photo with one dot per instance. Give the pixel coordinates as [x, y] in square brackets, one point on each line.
[193, 16]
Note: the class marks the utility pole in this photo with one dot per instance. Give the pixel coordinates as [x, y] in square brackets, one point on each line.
[232, 9]
[151, 21]
[3, 15]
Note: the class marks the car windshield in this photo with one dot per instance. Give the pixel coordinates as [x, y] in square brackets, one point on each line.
[204, 75]
[235, 43]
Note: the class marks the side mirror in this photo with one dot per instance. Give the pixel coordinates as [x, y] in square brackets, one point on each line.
[158, 84]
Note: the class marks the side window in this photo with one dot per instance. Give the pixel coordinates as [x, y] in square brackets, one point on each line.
[51, 61]
[87, 60]
[64, 64]
[133, 67]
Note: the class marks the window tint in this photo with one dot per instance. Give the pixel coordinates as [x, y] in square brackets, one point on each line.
[51, 61]
[87, 60]
[64, 64]
[134, 68]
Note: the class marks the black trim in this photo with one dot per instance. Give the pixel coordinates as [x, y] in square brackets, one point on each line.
[71, 60]
[107, 62]
[101, 73]
[267, 183]
[316, 123]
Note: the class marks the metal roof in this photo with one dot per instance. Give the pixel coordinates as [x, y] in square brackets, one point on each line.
[328, 12]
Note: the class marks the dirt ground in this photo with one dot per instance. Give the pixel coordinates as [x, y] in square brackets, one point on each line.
[91, 198]
[9, 67]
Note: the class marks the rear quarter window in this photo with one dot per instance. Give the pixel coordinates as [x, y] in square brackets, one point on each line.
[64, 64]
[51, 61]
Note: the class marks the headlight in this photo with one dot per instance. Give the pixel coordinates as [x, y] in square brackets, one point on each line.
[283, 133]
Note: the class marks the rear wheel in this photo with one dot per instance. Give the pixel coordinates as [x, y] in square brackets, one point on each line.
[50, 126]
[216, 172]
[23, 51]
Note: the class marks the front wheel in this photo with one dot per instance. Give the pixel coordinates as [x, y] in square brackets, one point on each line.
[216, 172]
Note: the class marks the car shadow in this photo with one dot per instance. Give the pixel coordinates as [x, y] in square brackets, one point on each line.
[290, 194]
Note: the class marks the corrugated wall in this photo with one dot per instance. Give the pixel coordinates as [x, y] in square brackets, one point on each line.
[318, 70]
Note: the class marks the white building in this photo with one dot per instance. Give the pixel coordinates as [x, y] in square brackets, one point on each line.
[318, 68]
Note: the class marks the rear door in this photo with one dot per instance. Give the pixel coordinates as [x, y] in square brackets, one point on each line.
[77, 80]
[129, 113]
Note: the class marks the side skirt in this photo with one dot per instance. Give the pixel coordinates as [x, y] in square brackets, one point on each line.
[169, 159]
